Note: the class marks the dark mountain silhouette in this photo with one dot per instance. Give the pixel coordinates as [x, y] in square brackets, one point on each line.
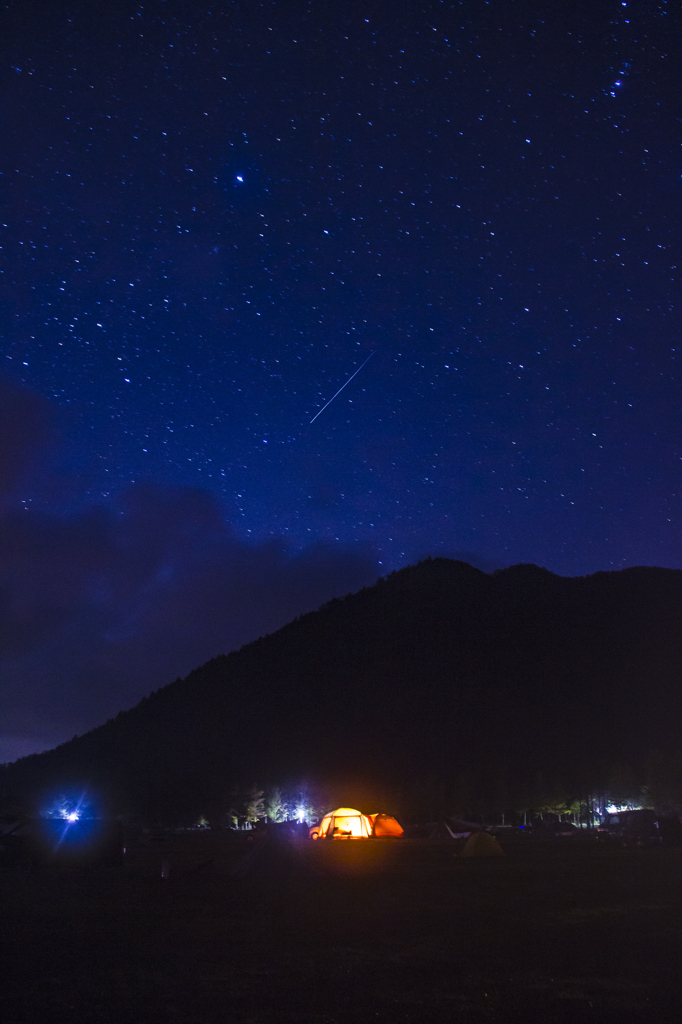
[441, 686]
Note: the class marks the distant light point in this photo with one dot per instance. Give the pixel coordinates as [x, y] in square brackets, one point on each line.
[239, 177]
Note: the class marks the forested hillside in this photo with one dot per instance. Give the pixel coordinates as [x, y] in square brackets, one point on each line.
[439, 688]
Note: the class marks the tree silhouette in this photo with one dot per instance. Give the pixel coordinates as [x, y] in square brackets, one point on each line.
[274, 806]
[254, 804]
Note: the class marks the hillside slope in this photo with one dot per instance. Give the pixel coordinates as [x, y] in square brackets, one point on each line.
[439, 676]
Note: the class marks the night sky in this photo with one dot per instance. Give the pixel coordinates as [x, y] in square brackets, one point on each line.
[214, 214]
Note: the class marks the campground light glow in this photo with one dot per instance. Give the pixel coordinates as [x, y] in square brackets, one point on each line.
[68, 807]
[348, 823]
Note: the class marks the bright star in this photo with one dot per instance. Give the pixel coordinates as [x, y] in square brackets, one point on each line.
[239, 177]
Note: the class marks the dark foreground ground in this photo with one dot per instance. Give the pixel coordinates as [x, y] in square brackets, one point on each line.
[400, 931]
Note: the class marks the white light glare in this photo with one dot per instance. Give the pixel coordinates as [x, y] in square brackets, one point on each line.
[69, 815]
[619, 808]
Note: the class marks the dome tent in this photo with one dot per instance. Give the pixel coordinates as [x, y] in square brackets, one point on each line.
[482, 844]
[347, 823]
[343, 823]
[385, 825]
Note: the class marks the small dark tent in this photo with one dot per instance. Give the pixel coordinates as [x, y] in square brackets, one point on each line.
[272, 858]
[482, 844]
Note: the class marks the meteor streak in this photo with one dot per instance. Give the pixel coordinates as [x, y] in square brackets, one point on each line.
[342, 387]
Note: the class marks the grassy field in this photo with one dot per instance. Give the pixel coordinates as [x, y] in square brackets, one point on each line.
[401, 931]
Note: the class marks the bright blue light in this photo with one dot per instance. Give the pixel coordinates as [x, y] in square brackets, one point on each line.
[239, 177]
[73, 827]
[66, 807]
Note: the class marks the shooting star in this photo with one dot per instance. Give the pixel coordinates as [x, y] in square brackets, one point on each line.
[342, 387]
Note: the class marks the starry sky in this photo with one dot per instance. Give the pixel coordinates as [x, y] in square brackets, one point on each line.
[217, 214]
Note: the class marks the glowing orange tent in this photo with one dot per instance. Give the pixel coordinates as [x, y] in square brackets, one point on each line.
[343, 823]
[385, 825]
[347, 823]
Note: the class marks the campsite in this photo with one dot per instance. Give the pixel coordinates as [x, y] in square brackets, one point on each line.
[437, 684]
[382, 929]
